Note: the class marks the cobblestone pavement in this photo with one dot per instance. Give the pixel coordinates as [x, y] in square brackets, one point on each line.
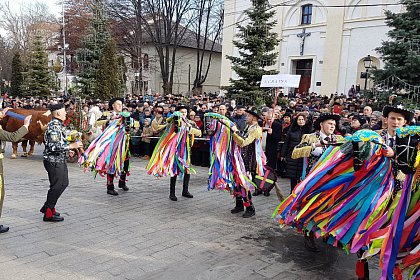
[141, 234]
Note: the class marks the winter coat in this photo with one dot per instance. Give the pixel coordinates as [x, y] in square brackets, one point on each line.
[272, 144]
[294, 167]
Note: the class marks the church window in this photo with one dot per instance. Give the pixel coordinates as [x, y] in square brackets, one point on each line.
[306, 14]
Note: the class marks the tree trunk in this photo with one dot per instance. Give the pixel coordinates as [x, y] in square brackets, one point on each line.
[167, 89]
[198, 90]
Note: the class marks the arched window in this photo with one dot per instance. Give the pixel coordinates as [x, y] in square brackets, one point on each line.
[306, 14]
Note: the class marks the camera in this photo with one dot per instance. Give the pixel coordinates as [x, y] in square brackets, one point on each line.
[176, 120]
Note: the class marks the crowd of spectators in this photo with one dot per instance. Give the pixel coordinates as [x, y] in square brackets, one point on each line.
[283, 125]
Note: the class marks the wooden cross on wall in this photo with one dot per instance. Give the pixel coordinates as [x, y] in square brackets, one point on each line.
[303, 36]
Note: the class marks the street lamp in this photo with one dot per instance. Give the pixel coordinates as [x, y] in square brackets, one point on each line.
[367, 61]
[189, 78]
[65, 48]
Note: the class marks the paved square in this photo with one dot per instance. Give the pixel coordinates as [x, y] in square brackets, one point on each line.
[141, 234]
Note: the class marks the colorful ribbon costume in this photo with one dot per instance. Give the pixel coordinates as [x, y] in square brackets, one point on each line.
[227, 168]
[172, 155]
[337, 202]
[356, 207]
[107, 153]
[399, 242]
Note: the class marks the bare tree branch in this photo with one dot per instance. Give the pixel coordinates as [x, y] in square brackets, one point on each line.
[21, 25]
[161, 23]
[207, 28]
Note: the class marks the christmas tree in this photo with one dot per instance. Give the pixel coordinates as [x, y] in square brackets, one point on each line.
[401, 53]
[38, 80]
[88, 57]
[108, 81]
[17, 77]
[256, 44]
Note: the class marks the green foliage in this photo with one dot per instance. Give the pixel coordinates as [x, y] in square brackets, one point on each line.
[37, 80]
[256, 45]
[4, 88]
[401, 52]
[378, 99]
[108, 79]
[17, 76]
[89, 56]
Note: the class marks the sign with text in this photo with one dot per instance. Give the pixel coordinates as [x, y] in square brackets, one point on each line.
[280, 80]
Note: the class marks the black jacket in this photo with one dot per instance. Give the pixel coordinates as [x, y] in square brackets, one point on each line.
[272, 144]
[294, 136]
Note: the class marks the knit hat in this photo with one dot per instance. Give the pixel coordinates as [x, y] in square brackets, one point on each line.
[362, 120]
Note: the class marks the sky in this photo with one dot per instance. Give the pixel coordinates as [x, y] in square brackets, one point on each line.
[54, 5]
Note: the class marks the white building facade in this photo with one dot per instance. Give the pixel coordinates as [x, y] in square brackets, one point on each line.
[324, 41]
[184, 72]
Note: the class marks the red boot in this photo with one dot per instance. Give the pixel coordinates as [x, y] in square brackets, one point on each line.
[362, 270]
[50, 217]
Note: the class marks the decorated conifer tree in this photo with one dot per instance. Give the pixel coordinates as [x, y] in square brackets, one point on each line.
[108, 80]
[256, 44]
[401, 53]
[38, 79]
[89, 56]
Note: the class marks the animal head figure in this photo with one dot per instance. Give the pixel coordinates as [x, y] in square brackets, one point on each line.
[361, 144]
[209, 124]
[408, 148]
[212, 119]
[74, 136]
[175, 119]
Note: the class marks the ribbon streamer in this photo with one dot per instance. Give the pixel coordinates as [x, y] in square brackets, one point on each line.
[107, 153]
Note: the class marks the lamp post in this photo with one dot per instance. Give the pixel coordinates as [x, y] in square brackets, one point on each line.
[189, 78]
[65, 48]
[367, 61]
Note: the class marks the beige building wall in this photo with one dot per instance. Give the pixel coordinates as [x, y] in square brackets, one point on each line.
[340, 37]
[185, 66]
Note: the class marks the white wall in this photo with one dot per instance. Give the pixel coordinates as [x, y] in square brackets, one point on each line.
[184, 58]
[340, 39]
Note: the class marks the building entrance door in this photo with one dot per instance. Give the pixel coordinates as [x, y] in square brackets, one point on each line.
[304, 69]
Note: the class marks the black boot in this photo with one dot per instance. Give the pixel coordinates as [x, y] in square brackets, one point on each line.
[121, 182]
[250, 211]
[239, 207]
[110, 189]
[122, 185]
[257, 192]
[49, 216]
[310, 244]
[172, 189]
[186, 182]
[3, 229]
